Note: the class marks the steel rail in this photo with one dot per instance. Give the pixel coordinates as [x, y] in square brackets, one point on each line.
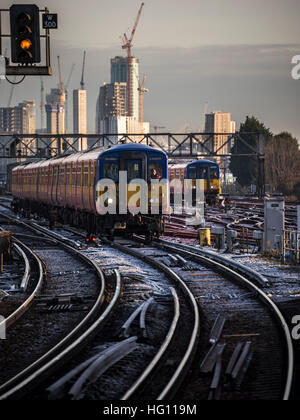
[11, 319]
[66, 347]
[214, 265]
[177, 378]
[165, 345]
[25, 279]
[253, 275]
[50, 360]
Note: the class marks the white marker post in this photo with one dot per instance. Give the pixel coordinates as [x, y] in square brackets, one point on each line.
[2, 328]
[2, 67]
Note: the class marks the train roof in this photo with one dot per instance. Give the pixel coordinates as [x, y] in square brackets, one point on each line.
[90, 155]
[131, 147]
[187, 164]
[202, 161]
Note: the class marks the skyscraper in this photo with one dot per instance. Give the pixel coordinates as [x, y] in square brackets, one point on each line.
[119, 74]
[219, 122]
[111, 103]
[55, 112]
[79, 116]
[118, 69]
[18, 120]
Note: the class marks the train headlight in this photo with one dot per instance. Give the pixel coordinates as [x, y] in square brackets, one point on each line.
[110, 201]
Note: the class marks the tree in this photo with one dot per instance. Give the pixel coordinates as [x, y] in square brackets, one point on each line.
[282, 158]
[246, 168]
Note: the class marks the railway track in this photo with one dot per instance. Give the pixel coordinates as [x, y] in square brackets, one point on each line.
[180, 316]
[256, 324]
[41, 355]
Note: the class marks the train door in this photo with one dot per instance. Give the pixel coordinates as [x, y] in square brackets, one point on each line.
[134, 171]
[203, 174]
[89, 185]
[83, 184]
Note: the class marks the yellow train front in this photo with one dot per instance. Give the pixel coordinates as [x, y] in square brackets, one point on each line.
[210, 173]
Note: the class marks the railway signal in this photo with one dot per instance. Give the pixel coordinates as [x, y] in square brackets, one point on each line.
[25, 34]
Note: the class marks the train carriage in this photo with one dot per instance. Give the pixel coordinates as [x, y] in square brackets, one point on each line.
[201, 169]
[64, 189]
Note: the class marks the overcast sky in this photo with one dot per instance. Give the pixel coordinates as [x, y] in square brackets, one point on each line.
[233, 54]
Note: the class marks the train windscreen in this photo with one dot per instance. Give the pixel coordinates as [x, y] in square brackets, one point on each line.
[155, 169]
[203, 172]
[111, 170]
[214, 172]
[193, 172]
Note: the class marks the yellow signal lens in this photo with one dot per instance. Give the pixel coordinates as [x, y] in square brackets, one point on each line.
[25, 44]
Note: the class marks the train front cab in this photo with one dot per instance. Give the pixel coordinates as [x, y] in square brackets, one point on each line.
[210, 173]
[139, 162]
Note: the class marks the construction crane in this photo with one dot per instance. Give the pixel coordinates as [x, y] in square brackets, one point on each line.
[12, 86]
[11, 92]
[60, 86]
[127, 45]
[142, 90]
[42, 105]
[204, 117]
[66, 98]
[157, 127]
[82, 74]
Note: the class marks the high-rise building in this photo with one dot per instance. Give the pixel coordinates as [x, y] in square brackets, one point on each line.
[113, 113]
[55, 112]
[111, 103]
[18, 120]
[119, 74]
[118, 70]
[219, 122]
[79, 117]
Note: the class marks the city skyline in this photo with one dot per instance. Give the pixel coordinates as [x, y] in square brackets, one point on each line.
[248, 75]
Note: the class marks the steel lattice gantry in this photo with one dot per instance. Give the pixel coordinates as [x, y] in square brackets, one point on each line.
[178, 146]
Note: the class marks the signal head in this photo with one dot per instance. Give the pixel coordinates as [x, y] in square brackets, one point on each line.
[25, 34]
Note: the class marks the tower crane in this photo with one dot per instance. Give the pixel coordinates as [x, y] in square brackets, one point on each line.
[61, 86]
[127, 45]
[66, 97]
[157, 127]
[12, 86]
[82, 74]
[42, 105]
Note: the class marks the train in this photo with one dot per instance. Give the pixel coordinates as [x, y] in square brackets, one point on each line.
[200, 169]
[65, 190]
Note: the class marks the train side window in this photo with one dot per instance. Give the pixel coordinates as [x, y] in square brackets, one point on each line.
[86, 176]
[78, 176]
[73, 175]
[68, 176]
